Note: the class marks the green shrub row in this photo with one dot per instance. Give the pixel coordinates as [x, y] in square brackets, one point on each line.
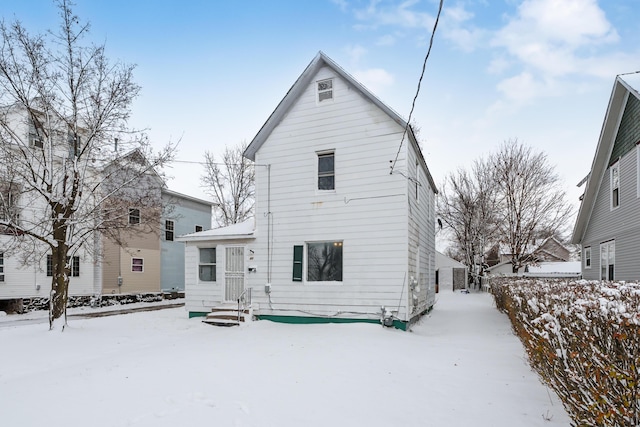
[583, 339]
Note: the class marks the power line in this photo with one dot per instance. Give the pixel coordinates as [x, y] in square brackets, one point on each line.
[424, 65]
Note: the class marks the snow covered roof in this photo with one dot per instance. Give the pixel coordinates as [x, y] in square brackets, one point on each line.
[556, 267]
[242, 230]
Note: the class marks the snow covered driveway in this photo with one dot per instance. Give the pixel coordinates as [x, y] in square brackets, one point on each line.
[461, 366]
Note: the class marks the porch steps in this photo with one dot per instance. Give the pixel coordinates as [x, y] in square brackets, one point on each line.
[228, 316]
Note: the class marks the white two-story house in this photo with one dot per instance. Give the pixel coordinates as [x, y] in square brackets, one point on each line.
[344, 215]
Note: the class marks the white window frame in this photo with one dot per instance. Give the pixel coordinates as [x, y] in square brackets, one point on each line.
[329, 90]
[208, 264]
[133, 216]
[587, 257]
[306, 263]
[613, 171]
[134, 264]
[169, 230]
[325, 174]
[1, 266]
[608, 253]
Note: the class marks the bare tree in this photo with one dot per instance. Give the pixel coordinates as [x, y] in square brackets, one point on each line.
[231, 183]
[64, 109]
[467, 206]
[531, 199]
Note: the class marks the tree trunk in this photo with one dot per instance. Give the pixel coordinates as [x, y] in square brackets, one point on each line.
[60, 280]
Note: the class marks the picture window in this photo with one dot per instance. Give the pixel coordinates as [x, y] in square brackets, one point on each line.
[324, 261]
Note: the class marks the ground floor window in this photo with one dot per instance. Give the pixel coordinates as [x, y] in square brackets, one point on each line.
[207, 265]
[607, 260]
[75, 266]
[1, 267]
[324, 261]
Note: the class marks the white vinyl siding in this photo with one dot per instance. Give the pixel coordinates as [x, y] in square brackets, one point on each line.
[367, 212]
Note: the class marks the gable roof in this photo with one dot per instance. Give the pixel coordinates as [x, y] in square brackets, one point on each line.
[622, 89]
[300, 85]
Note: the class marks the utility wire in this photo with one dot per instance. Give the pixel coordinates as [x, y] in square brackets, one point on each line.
[424, 65]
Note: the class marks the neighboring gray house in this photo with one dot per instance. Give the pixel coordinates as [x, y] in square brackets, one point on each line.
[182, 215]
[337, 237]
[608, 224]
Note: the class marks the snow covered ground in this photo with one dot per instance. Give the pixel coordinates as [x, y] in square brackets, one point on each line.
[460, 366]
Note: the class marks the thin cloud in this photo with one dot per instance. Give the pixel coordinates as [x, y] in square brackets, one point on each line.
[375, 79]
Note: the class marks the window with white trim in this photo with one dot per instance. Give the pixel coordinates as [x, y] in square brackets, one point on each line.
[9, 194]
[587, 257]
[36, 133]
[169, 230]
[607, 260]
[1, 266]
[137, 265]
[324, 261]
[615, 185]
[207, 265]
[325, 90]
[74, 267]
[134, 216]
[326, 171]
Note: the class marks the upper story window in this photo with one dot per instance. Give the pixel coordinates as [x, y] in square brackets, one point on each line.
[73, 140]
[36, 134]
[134, 216]
[326, 171]
[325, 90]
[8, 202]
[168, 230]
[587, 257]
[615, 185]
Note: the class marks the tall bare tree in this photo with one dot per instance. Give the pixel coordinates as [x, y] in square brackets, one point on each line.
[64, 109]
[467, 206]
[231, 183]
[531, 199]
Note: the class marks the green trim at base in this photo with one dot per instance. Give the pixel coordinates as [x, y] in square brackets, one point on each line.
[193, 314]
[303, 320]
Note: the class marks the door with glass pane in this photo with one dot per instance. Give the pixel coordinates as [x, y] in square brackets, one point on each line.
[607, 260]
[234, 273]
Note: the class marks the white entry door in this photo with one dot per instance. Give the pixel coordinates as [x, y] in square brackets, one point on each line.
[234, 273]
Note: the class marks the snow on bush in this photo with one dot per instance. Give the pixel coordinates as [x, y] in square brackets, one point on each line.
[583, 339]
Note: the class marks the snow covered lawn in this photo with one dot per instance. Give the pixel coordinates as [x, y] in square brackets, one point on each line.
[461, 366]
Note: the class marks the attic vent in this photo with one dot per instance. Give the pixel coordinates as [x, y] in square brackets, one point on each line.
[325, 90]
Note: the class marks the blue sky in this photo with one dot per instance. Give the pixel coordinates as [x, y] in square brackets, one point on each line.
[212, 72]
